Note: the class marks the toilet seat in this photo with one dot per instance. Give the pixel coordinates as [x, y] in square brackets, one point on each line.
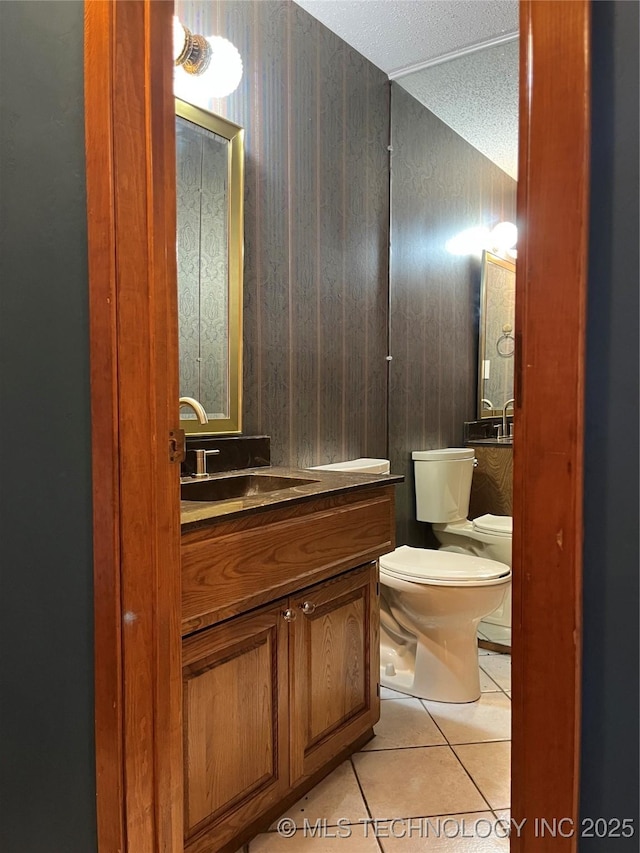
[442, 568]
[500, 525]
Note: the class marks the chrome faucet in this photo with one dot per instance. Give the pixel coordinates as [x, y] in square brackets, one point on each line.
[197, 407]
[201, 461]
[511, 403]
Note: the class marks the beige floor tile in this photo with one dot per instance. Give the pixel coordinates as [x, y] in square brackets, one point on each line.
[358, 841]
[472, 722]
[415, 782]
[487, 684]
[479, 832]
[499, 668]
[387, 693]
[404, 722]
[318, 839]
[336, 797]
[489, 765]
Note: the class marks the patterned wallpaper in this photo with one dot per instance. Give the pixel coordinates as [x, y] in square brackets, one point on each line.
[440, 186]
[317, 291]
[202, 269]
[316, 115]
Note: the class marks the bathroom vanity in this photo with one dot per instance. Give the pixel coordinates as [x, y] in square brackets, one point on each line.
[280, 641]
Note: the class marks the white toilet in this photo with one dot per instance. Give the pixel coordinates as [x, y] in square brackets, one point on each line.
[432, 601]
[487, 536]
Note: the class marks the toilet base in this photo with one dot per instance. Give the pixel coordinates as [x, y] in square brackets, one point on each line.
[501, 616]
[447, 666]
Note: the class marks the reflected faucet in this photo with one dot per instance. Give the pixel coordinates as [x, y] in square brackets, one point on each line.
[511, 403]
[197, 407]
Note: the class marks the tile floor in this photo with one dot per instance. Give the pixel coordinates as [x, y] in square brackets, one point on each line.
[435, 777]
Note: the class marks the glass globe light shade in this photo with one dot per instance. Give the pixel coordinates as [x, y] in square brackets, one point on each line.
[221, 78]
[504, 235]
[179, 38]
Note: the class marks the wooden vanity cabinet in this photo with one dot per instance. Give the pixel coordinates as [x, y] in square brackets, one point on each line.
[271, 697]
[334, 662]
[235, 722]
[275, 694]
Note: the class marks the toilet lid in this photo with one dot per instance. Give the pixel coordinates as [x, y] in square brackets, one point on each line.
[502, 524]
[421, 564]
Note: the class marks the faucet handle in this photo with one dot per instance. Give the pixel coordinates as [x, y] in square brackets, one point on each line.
[498, 429]
[201, 461]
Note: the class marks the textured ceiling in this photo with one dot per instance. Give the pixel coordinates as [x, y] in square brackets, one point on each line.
[476, 95]
[398, 34]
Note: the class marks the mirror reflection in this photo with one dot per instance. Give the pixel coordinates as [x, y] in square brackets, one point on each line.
[496, 348]
[209, 262]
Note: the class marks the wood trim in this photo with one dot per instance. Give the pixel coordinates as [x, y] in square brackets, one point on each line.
[500, 648]
[104, 427]
[131, 220]
[551, 282]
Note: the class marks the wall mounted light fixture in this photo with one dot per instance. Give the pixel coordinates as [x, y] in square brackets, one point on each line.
[501, 240]
[206, 66]
[504, 237]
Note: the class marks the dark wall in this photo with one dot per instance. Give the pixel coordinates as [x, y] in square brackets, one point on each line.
[440, 186]
[609, 779]
[316, 115]
[48, 796]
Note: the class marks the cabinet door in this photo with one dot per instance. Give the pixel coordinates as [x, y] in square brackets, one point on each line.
[334, 665]
[235, 697]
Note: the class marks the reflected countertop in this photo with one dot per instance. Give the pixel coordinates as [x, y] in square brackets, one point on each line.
[492, 442]
[195, 514]
[483, 432]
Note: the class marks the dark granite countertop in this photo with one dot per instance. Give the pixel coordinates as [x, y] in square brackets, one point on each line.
[199, 513]
[492, 442]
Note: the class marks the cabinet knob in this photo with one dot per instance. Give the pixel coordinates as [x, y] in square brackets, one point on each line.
[307, 607]
[289, 615]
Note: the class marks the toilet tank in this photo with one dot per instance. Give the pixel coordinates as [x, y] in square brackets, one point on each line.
[443, 483]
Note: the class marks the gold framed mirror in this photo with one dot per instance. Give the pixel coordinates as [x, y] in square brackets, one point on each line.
[496, 345]
[209, 247]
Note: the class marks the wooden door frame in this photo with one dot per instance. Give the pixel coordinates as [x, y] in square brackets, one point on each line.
[130, 151]
[551, 287]
[134, 365]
